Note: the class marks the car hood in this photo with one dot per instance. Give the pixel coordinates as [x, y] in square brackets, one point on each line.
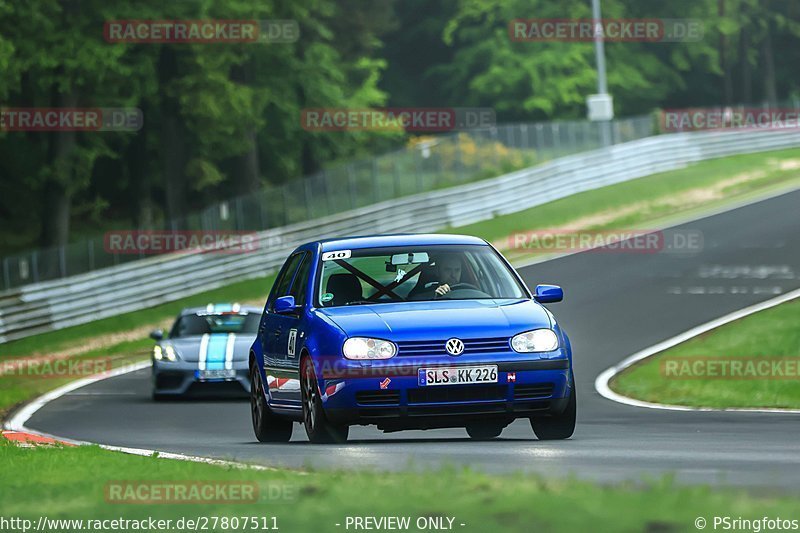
[188, 348]
[439, 319]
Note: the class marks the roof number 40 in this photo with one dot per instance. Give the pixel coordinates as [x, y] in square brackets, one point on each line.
[339, 254]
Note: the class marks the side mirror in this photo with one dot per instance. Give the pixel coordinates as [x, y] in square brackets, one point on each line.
[157, 335]
[285, 305]
[547, 294]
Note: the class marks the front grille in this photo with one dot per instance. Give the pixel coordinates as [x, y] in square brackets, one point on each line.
[445, 394]
[533, 392]
[436, 347]
[379, 397]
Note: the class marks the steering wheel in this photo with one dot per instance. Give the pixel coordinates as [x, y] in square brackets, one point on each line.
[458, 286]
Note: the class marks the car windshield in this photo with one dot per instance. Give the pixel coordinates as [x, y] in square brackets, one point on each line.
[415, 273]
[202, 324]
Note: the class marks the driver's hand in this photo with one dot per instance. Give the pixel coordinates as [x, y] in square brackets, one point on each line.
[441, 290]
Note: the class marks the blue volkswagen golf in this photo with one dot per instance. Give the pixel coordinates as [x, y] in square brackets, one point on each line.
[408, 332]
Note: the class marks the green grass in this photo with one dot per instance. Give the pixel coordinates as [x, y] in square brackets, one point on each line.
[72, 483]
[771, 333]
[652, 194]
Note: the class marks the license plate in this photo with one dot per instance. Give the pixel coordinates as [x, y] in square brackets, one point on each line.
[208, 375]
[457, 375]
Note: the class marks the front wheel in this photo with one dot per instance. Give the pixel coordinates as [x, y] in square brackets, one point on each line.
[267, 426]
[318, 428]
[561, 426]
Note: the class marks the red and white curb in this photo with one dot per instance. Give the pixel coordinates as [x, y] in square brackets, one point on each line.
[601, 383]
[15, 426]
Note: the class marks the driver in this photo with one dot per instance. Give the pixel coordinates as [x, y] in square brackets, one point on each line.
[448, 272]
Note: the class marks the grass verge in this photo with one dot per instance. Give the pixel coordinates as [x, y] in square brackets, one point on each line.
[726, 367]
[77, 483]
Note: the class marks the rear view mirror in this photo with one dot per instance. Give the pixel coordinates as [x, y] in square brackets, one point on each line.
[545, 294]
[285, 305]
[157, 335]
[410, 258]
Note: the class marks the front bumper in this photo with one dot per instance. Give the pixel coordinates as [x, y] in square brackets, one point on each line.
[389, 394]
[180, 378]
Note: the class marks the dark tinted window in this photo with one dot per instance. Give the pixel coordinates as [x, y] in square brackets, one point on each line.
[300, 286]
[281, 287]
[194, 325]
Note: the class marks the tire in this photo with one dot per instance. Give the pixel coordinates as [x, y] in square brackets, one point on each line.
[267, 426]
[318, 428]
[560, 426]
[485, 430]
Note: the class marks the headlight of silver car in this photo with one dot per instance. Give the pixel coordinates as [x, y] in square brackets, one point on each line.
[365, 348]
[165, 353]
[538, 340]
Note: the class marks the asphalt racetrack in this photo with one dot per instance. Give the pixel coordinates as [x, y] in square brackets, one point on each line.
[615, 305]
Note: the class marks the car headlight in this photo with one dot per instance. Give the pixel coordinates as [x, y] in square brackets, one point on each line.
[364, 348]
[168, 353]
[538, 340]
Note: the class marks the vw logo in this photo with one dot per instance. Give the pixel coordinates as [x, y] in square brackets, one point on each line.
[454, 346]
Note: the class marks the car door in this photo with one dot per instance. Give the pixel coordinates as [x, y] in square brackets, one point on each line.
[270, 327]
[291, 333]
[280, 375]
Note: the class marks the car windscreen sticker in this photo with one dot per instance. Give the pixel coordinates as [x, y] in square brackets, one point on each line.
[327, 297]
[338, 254]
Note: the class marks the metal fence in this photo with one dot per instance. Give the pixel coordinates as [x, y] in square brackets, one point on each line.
[116, 290]
[428, 163]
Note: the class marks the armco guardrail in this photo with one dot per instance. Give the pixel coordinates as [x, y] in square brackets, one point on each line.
[112, 291]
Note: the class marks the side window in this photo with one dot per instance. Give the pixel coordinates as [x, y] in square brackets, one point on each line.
[281, 286]
[300, 285]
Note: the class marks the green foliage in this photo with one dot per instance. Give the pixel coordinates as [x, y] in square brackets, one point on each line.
[211, 108]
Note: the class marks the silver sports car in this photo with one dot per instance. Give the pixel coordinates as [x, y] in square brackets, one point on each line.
[205, 352]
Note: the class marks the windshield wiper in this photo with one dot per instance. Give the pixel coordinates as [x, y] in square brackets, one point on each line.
[359, 302]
